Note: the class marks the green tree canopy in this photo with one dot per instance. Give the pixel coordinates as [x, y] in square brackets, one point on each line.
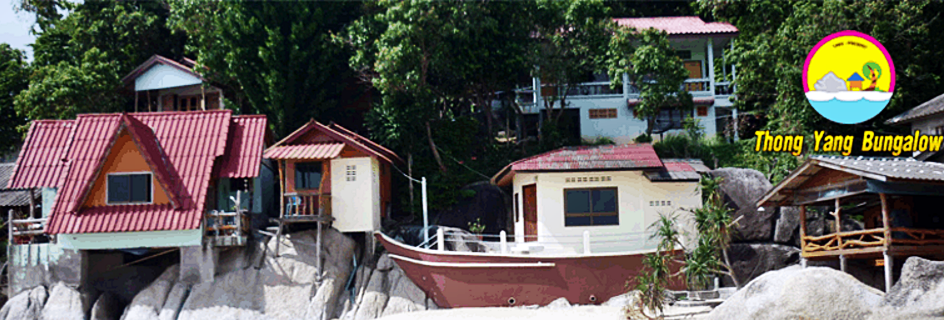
[278, 56]
[80, 59]
[13, 79]
[653, 68]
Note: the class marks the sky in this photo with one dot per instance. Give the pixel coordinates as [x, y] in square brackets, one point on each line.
[15, 28]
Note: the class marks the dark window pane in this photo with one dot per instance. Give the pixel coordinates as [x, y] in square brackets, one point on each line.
[119, 187]
[307, 175]
[578, 201]
[140, 188]
[576, 221]
[606, 220]
[604, 200]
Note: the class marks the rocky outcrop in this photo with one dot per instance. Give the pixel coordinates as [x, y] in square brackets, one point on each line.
[800, 293]
[750, 260]
[106, 307]
[741, 189]
[64, 303]
[148, 304]
[26, 305]
[787, 227]
[285, 287]
[481, 200]
[388, 292]
[918, 294]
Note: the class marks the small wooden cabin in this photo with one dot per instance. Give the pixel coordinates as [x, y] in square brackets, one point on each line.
[613, 192]
[897, 200]
[162, 84]
[327, 170]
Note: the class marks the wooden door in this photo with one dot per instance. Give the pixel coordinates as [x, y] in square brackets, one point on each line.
[530, 194]
[694, 72]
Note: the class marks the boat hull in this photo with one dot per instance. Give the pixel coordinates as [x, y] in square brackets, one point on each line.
[463, 279]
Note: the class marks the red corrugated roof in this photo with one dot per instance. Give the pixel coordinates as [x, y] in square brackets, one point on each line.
[190, 141]
[43, 163]
[308, 151]
[621, 157]
[337, 134]
[244, 150]
[630, 156]
[678, 25]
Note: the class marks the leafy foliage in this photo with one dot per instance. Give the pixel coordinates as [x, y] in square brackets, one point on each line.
[80, 59]
[13, 73]
[278, 56]
[776, 36]
[653, 68]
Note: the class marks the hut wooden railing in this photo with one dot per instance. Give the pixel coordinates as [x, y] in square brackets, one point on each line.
[845, 240]
[919, 237]
[228, 228]
[22, 231]
[300, 204]
[872, 238]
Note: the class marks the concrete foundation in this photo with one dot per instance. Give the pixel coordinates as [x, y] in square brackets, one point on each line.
[198, 263]
[45, 264]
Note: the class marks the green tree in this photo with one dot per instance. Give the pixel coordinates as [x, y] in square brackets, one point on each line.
[80, 59]
[653, 68]
[278, 56]
[571, 45]
[13, 73]
[776, 36]
[437, 64]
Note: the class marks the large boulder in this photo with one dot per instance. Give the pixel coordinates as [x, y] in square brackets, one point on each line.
[800, 293]
[750, 260]
[148, 303]
[919, 293]
[404, 295]
[27, 305]
[106, 307]
[286, 287]
[387, 292]
[741, 189]
[481, 200]
[65, 303]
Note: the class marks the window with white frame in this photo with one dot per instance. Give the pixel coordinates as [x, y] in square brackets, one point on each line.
[129, 188]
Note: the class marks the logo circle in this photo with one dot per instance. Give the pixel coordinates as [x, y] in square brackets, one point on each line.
[848, 77]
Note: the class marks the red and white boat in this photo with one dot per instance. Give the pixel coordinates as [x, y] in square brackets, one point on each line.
[471, 279]
[580, 230]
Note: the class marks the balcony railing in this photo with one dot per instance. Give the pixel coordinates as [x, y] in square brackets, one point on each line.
[25, 231]
[724, 88]
[299, 204]
[872, 238]
[698, 87]
[594, 89]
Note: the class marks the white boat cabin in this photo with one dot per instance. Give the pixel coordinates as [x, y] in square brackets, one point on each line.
[610, 193]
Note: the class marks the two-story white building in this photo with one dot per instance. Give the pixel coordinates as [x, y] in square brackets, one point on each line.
[607, 112]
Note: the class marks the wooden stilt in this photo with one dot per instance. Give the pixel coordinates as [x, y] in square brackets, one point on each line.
[886, 225]
[889, 262]
[803, 230]
[838, 224]
[318, 252]
[842, 262]
[278, 233]
[32, 204]
[886, 221]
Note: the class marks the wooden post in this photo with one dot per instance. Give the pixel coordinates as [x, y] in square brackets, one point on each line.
[203, 98]
[889, 262]
[135, 101]
[842, 262]
[886, 222]
[278, 233]
[10, 260]
[32, 203]
[318, 251]
[149, 100]
[838, 225]
[886, 226]
[802, 229]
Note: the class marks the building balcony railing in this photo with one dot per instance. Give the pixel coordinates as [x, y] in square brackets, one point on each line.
[863, 240]
[301, 204]
[699, 87]
[26, 231]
